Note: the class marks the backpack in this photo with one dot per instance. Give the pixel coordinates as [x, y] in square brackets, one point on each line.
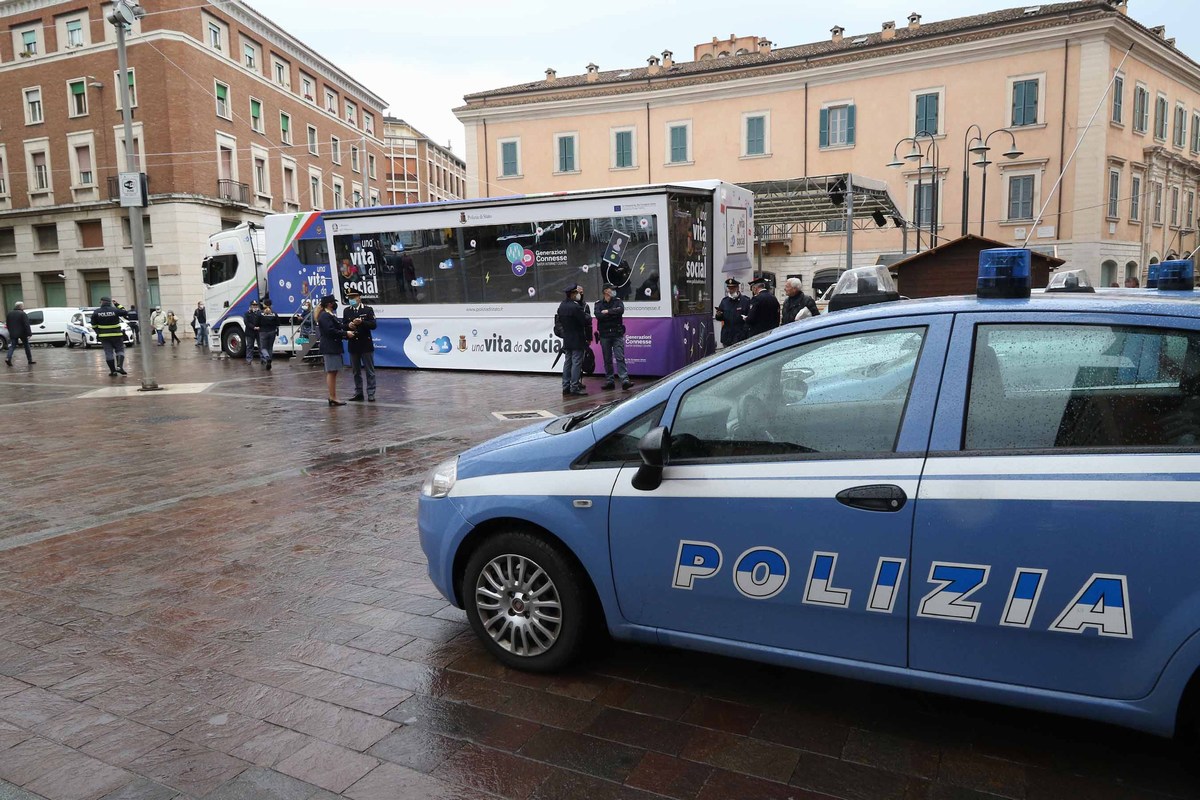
[558, 326]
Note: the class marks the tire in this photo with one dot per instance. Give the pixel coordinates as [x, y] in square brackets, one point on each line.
[518, 632]
[63, 343]
[232, 342]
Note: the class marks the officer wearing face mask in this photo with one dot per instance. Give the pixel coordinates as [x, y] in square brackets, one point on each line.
[732, 313]
[358, 318]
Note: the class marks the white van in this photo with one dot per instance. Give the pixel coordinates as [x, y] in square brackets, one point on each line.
[49, 325]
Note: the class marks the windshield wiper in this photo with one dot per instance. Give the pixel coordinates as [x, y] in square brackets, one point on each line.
[586, 415]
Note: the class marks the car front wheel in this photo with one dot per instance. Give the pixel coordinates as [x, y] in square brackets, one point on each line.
[526, 601]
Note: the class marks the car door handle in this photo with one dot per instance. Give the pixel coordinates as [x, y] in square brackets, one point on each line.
[877, 497]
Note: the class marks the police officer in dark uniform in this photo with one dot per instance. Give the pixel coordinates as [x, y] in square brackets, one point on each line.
[358, 318]
[764, 308]
[252, 330]
[732, 313]
[106, 320]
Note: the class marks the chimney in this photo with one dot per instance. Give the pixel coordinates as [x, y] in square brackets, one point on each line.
[1122, 6]
[1171, 42]
[1160, 31]
[764, 46]
[551, 75]
[889, 30]
[652, 66]
[914, 21]
[593, 73]
[668, 61]
[837, 31]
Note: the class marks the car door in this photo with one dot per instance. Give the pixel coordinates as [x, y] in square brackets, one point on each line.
[785, 510]
[37, 327]
[1054, 541]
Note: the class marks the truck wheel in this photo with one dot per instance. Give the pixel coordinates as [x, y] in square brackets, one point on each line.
[526, 601]
[232, 343]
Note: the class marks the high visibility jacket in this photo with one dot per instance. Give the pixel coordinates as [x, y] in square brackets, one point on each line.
[106, 320]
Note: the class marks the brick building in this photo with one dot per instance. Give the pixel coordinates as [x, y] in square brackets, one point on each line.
[419, 169]
[233, 119]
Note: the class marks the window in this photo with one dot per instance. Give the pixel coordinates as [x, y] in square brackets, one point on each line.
[678, 143]
[1025, 102]
[335, 149]
[356, 197]
[331, 101]
[923, 205]
[289, 183]
[565, 145]
[83, 163]
[313, 147]
[354, 159]
[1175, 206]
[338, 202]
[510, 158]
[33, 106]
[250, 55]
[222, 100]
[1160, 118]
[1196, 132]
[1020, 197]
[623, 149]
[835, 225]
[29, 43]
[285, 128]
[370, 165]
[351, 113]
[812, 398]
[41, 172]
[314, 190]
[1191, 210]
[8, 246]
[1179, 136]
[1080, 386]
[132, 88]
[1114, 193]
[308, 87]
[369, 123]
[89, 234]
[127, 237]
[1118, 103]
[282, 72]
[927, 114]
[1141, 109]
[756, 135]
[256, 119]
[214, 36]
[622, 444]
[3, 175]
[837, 124]
[1157, 192]
[1135, 199]
[261, 183]
[74, 33]
[77, 98]
[45, 238]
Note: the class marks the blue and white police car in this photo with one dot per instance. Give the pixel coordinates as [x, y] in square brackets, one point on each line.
[996, 497]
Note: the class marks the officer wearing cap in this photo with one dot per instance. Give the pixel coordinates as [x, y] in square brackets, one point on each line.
[732, 312]
[252, 328]
[610, 333]
[359, 320]
[576, 334]
[764, 308]
[106, 320]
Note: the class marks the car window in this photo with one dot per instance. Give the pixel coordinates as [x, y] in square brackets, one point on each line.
[840, 395]
[36, 317]
[1069, 386]
[77, 319]
[622, 444]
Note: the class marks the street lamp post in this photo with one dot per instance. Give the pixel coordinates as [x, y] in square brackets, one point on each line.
[124, 13]
[979, 146]
[920, 154]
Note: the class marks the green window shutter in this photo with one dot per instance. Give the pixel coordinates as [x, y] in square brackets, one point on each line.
[77, 87]
[222, 92]
[1031, 102]
[678, 144]
[1018, 102]
[824, 124]
[255, 109]
[624, 148]
[755, 136]
[850, 115]
[284, 123]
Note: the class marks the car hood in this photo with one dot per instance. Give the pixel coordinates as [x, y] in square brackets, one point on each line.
[527, 434]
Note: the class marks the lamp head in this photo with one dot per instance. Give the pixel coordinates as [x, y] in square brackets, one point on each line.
[1013, 152]
[916, 154]
[895, 163]
[983, 162]
[978, 147]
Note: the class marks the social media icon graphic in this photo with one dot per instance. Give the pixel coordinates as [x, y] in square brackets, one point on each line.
[439, 346]
[527, 258]
[644, 223]
[518, 269]
[532, 291]
[515, 253]
[472, 244]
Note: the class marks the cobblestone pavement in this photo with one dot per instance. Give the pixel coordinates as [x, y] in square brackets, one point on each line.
[216, 591]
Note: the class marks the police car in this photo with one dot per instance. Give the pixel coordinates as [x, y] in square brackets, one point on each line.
[81, 333]
[996, 497]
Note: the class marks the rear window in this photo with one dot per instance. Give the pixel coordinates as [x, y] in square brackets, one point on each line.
[36, 317]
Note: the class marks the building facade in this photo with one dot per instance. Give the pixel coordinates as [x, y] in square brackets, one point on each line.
[419, 169]
[233, 119]
[743, 110]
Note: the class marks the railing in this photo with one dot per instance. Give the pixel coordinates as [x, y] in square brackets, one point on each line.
[233, 191]
[114, 187]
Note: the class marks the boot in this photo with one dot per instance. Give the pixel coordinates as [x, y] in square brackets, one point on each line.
[112, 367]
[121, 365]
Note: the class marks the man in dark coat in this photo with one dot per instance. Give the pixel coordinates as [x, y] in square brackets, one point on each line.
[19, 330]
[576, 336]
[731, 313]
[764, 308]
[797, 301]
[359, 321]
[106, 321]
[610, 333]
[251, 337]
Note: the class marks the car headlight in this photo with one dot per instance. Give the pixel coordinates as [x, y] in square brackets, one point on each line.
[441, 479]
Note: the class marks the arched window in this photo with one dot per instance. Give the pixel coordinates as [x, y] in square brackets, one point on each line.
[1108, 273]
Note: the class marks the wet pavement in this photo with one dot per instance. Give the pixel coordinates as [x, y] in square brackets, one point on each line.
[216, 591]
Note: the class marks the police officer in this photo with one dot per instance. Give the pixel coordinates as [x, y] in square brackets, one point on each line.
[610, 333]
[797, 301]
[764, 308]
[576, 334]
[359, 321]
[106, 320]
[732, 313]
[252, 329]
[268, 330]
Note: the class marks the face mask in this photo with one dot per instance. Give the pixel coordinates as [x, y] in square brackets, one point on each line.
[353, 303]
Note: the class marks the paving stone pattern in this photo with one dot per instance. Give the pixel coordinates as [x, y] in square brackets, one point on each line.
[221, 595]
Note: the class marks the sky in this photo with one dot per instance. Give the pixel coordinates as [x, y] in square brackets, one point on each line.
[422, 56]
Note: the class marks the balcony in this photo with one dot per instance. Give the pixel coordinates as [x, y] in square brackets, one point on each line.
[233, 192]
[114, 187]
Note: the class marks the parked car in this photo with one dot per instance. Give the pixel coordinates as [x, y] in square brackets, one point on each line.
[80, 332]
[49, 325]
[990, 498]
[3, 335]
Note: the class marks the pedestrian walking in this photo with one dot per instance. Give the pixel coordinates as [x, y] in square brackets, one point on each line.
[19, 330]
[158, 323]
[268, 329]
[106, 320]
[764, 308]
[200, 324]
[331, 334]
[172, 326]
[797, 302]
[610, 333]
[251, 334]
[359, 320]
[135, 323]
[576, 327]
[732, 312]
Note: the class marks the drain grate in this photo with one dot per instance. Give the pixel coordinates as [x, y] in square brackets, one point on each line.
[517, 416]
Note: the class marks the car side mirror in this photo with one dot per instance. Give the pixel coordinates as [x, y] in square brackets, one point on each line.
[653, 448]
